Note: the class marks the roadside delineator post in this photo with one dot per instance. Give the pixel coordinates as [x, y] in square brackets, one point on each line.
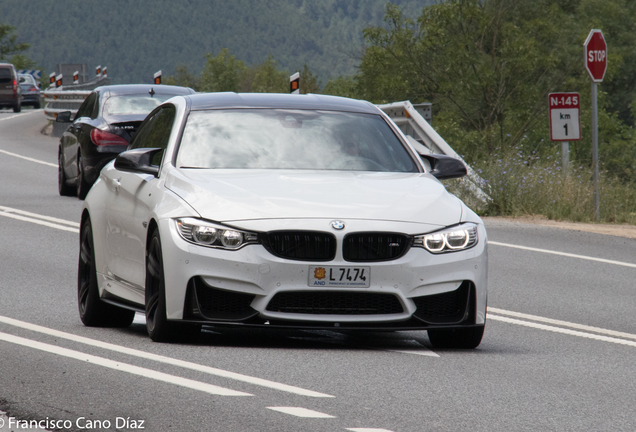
[157, 77]
[294, 83]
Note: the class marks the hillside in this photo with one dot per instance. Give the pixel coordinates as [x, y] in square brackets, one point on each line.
[136, 38]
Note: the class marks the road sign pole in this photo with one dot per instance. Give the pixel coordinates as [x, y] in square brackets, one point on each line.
[597, 200]
[565, 156]
[595, 53]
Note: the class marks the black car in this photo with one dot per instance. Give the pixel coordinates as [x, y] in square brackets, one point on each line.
[102, 128]
[31, 94]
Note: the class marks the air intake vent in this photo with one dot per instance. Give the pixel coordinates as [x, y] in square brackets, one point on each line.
[445, 308]
[214, 303]
[301, 245]
[335, 303]
[373, 246]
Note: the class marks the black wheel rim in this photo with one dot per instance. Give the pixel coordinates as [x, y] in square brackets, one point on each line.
[86, 267]
[154, 282]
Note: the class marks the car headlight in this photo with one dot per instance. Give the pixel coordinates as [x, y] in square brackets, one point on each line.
[453, 239]
[208, 234]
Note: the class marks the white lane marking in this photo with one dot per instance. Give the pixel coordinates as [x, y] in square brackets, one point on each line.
[162, 359]
[39, 216]
[565, 254]
[28, 158]
[38, 222]
[562, 323]
[301, 412]
[425, 352]
[368, 430]
[124, 367]
[19, 115]
[562, 330]
[419, 349]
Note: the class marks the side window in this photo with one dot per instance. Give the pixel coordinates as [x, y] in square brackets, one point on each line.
[86, 109]
[95, 108]
[155, 131]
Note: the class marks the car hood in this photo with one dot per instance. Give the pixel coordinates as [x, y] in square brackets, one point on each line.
[240, 195]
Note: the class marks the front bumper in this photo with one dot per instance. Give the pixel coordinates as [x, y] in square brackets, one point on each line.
[252, 287]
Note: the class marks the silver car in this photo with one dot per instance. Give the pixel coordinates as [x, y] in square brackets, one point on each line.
[280, 211]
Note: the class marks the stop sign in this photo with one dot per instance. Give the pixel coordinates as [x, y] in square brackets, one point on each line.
[596, 55]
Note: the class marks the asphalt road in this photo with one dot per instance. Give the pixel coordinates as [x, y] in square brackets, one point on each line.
[558, 352]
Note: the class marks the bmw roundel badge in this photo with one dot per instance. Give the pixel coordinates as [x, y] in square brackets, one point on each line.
[337, 225]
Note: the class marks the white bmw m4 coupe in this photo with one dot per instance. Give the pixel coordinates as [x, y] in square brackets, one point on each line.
[280, 211]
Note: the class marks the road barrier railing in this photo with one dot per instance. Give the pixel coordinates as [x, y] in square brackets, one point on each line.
[426, 140]
[59, 100]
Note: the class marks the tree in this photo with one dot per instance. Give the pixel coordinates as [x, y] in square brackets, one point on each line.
[344, 86]
[222, 73]
[268, 79]
[487, 64]
[183, 77]
[308, 81]
[8, 43]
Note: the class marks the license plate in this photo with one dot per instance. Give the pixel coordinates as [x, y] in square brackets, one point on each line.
[345, 277]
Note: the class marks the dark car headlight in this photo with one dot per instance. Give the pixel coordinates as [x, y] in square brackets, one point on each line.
[460, 237]
[209, 234]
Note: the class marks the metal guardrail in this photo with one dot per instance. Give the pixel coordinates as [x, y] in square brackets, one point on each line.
[426, 140]
[59, 100]
[69, 97]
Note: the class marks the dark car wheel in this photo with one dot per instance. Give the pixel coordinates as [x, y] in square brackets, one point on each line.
[36, 105]
[62, 186]
[82, 186]
[17, 108]
[157, 324]
[94, 312]
[462, 338]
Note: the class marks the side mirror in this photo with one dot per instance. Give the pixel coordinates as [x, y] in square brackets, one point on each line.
[445, 167]
[63, 117]
[138, 161]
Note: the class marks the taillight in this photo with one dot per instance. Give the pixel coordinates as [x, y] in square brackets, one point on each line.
[103, 138]
[15, 87]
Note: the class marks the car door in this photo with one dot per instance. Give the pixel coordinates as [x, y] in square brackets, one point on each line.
[75, 132]
[131, 201]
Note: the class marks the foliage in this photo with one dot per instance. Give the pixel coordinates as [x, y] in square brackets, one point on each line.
[137, 38]
[344, 86]
[521, 183]
[222, 73]
[488, 66]
[8, 42]
[184, 78]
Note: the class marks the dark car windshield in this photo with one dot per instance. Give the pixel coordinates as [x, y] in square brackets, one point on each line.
[133, 104]
[291, 139]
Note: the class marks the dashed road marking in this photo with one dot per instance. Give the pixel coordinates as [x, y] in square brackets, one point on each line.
[301, 412]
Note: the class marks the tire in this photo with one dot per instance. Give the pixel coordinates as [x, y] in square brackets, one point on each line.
[36, 105]
[462, 338]
[82, 186]
[157, 324]
[17, 108]
[62, 186]
[92, 310]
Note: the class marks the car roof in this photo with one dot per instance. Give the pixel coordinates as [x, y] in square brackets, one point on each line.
[124, 89]
[207, 101]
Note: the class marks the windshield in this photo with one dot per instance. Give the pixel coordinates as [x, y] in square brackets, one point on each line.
[291, 139]
[133, 104]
